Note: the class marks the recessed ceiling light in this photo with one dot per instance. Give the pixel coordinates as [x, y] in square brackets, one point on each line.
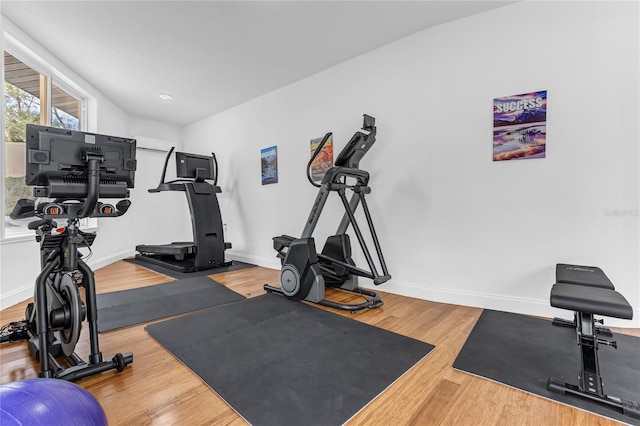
[166, 97]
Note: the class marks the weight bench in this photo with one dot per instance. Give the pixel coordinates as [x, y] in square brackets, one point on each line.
[587, 301]
[591, 276]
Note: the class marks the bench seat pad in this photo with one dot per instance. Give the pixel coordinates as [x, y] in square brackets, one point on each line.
[590, 300]
[583, 275]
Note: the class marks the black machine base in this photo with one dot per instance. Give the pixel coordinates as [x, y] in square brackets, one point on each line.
[185, 265]
[628, 408]
[79, 369]
[374, 302]
[71, 367]
[178, 250]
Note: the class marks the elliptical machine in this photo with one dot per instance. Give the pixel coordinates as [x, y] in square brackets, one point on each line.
[305, 273]
[76, 169]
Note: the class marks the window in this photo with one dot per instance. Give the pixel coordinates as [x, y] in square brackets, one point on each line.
[30, 97]
[66, 109]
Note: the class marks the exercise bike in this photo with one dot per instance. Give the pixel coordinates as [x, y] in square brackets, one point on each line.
[74, 173]
[305, 273]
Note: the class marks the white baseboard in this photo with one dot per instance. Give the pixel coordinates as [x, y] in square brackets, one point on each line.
[25, 291]
[101, 262]
[497, 302]
[19, 295]
[271, 263]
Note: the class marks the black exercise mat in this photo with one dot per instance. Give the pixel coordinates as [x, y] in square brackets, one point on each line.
[235, 265]
[128, 307]
[282, 362]
[523, 352]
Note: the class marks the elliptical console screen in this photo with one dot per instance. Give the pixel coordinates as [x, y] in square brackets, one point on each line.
[187, 166]
[359, 144]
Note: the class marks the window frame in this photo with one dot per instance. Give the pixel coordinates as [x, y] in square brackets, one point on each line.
[54, 77]
[84, 101]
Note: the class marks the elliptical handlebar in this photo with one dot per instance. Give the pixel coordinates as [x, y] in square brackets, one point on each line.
[315, 155]
[166, 162]
[215, 169]
[164, 172]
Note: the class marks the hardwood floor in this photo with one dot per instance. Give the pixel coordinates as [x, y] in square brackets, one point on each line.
[159, 389]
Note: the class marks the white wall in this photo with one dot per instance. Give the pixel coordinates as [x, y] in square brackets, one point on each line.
[165, 215]
[117, 237]
[148, 220]
[454, 226]
[20, 257]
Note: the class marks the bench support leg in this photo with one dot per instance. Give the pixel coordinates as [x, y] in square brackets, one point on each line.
[562, 322]
[590, 383]
[590, 380]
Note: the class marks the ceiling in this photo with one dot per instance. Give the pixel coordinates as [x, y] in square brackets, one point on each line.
[213, 55]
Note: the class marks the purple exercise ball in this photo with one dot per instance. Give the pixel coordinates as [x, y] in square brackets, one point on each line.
[48, 402]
